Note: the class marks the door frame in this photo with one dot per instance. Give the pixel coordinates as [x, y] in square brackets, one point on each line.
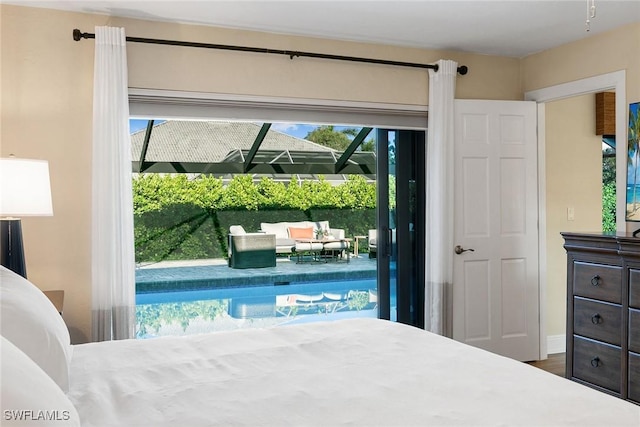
[614, 80]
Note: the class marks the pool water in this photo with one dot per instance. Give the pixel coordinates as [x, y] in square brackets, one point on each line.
[210, 310]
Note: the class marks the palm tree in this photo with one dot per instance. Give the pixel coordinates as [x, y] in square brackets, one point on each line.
[633, 147]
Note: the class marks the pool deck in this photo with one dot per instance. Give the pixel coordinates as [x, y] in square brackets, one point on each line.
[209, 274]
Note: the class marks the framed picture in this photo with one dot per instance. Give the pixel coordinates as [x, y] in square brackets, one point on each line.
[633, 164]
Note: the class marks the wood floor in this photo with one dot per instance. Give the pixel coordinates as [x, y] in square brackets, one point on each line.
[554, 364]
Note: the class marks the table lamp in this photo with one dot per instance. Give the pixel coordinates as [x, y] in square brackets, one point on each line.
[24, 191]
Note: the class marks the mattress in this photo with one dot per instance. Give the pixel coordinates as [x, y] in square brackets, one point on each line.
[349, 372]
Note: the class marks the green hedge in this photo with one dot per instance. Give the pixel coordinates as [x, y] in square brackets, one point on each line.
[609, 207]
[177, 218]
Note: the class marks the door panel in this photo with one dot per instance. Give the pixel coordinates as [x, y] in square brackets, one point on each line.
[475, 175]
[477, 317]
[495, 292]
[401, 178]
[513, 208]
[514, 277]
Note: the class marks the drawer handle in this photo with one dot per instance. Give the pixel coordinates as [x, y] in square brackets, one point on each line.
[595, 362]
[596, 318]
[595, 280]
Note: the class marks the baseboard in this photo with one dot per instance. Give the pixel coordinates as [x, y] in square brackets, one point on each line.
[556, 344]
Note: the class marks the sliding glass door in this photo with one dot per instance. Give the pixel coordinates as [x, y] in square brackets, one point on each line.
[369, 187]
[400, 230]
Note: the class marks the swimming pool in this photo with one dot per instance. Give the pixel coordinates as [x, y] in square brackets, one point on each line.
[209, 310]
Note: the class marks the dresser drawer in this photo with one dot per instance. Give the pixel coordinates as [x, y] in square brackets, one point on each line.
[634, 330]
[634, 377]
[598, 320]
[597, 363]
[597, 281]
[634, 288]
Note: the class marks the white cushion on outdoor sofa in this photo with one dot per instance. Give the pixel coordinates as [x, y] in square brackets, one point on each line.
[308, 246]
[373, 240]
[336, 246]
[237, 229]
[281, 229]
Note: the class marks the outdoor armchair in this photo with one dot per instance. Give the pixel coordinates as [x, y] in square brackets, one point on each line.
[373, 243]
[251, 250]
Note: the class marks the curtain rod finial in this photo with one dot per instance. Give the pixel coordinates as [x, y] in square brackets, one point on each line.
[77, 35]
[463, 69]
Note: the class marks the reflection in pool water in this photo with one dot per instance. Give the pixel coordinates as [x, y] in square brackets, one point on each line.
[190, 312]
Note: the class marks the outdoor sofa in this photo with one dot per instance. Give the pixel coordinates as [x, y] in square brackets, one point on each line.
[287, 232]
[257, 250]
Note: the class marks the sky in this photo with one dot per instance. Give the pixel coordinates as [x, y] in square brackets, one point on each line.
[294, 129]
[137, 124]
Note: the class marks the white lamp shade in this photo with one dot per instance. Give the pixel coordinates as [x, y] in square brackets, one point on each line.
[24, 188]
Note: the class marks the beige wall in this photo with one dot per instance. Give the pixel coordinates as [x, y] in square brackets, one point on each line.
[46, 114]
[605, 53]
[167, 67]
[566, 174]
[574, 179]
[46, 87]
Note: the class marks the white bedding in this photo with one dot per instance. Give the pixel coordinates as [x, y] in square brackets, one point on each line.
[358, 372]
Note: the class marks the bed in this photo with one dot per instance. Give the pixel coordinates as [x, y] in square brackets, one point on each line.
[347, 372]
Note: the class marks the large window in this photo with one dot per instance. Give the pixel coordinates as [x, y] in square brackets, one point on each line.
[194, 178]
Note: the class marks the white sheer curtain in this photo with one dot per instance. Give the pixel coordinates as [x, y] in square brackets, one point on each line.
[113, 262]
[439, 199]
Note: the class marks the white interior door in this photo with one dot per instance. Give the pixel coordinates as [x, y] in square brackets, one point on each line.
[495, 281]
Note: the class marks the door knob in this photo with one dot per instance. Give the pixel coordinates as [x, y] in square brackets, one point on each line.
[459, 249]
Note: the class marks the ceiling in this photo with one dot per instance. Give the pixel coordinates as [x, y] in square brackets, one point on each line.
[513, 28]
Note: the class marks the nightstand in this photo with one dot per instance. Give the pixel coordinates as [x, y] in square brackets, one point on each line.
[57, 298]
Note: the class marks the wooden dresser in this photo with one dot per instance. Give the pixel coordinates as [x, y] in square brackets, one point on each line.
[603, 312]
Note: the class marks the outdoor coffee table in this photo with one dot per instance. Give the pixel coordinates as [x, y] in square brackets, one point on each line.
[318, 249]
[311, 247]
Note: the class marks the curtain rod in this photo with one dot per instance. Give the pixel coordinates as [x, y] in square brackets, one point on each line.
[462, 70]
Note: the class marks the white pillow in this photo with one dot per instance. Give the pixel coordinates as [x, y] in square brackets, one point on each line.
[237, 229]
[280, 229]
[29, 396]
[30, 321]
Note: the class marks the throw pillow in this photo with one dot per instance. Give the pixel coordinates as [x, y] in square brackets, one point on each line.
[301, 233]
